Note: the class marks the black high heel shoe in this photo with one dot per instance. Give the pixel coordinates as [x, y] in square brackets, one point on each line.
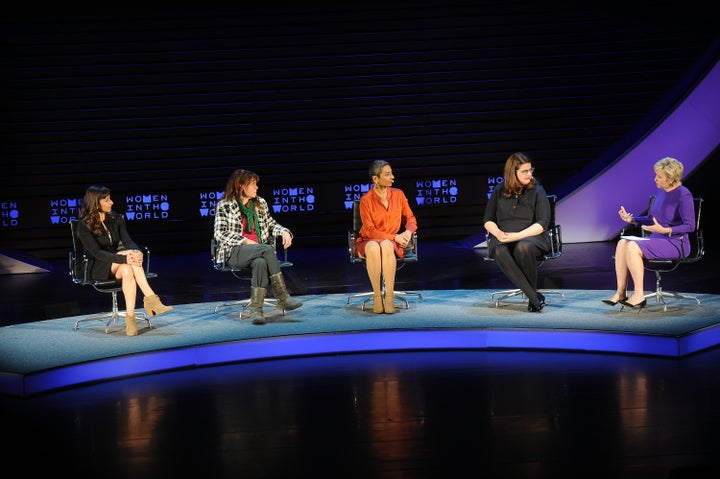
[638, 306]
[613, 303]
[536, 309]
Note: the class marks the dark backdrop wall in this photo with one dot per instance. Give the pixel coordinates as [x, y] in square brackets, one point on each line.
[162, 105]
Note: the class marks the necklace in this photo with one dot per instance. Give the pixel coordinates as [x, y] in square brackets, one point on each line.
[107, 230]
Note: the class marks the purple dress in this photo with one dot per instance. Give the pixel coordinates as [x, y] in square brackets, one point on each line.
[675, 209]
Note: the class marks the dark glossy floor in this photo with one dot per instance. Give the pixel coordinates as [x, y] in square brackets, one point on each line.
[395, 415]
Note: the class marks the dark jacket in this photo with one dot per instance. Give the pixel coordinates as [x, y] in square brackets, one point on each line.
[102, 249]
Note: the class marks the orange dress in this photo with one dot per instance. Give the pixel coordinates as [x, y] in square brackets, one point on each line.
[379, 223]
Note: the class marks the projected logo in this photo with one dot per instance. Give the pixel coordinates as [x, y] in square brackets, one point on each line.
[9, 214]
[492, 183]
[293, 200]
[436, 192]
[63, 210]
[147, 207]
[355, 192]
[208, 201]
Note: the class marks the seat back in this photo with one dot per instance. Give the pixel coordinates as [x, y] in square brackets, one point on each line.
[695, 238]
[77, 258]
[554, 232]
[220, 266]
[79, 263]
[411, 252]
[697, 242]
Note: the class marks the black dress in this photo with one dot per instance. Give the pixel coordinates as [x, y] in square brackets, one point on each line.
[102, 249]
[517, 213]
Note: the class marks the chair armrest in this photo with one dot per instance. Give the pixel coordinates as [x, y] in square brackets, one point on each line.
[279, 246]
[146, 256]
[352, 244]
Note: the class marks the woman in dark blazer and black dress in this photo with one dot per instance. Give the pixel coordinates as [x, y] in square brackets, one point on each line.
[518, 216]
[113, 254]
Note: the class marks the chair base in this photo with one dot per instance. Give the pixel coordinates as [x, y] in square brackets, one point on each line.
[660, 296]
[510, 293]
[269, 302]
[112, 318]
[399, 296]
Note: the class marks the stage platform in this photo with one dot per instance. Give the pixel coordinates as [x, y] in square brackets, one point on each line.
[43, 356]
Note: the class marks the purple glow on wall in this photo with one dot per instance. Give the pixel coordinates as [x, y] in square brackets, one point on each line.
[689, 133]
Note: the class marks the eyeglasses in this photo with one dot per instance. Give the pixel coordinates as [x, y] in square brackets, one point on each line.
[526, 172]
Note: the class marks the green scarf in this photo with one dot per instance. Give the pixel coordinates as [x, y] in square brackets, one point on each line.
[252, 218]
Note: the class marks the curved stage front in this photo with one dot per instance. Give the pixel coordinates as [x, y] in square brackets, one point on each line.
[48, 355]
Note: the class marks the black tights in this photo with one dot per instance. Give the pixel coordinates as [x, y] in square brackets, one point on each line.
[519, 262]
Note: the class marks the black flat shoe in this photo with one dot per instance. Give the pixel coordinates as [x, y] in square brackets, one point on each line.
[640, 305]
[613, 303]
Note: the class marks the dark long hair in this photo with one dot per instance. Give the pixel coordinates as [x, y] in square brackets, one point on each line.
[512, 186]
[90, 210]
[237, 182]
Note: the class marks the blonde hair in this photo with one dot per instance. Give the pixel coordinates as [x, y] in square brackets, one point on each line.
[672, 168]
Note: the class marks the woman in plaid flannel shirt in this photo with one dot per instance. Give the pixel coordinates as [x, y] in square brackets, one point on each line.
[245, 233]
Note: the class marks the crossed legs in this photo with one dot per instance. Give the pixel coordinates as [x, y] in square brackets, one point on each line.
[629, 263]
[132, 277]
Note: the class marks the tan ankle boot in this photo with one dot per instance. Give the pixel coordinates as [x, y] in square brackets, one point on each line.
[154, 306]
[130, 324]
[389, 302]
[378, 304]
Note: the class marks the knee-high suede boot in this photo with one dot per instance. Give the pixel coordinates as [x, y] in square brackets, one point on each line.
[284, 301]
[257, 299]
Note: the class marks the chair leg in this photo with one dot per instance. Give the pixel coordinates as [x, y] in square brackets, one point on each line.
[399, 296]
[269, 302]
[402, 296]
[509, 293]
[360, 295]
[660, 295]
[113, 317]
[552, 291]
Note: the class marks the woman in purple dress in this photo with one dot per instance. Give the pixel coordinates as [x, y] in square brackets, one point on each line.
[670, 219]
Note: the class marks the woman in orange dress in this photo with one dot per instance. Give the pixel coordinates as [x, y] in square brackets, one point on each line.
[383, 211]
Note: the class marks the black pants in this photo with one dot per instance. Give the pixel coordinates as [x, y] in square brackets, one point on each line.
[260, 258]
[519, 262]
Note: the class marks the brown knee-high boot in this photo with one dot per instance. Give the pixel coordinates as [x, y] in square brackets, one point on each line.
[284, 301]
[257, 299]
[154, 306]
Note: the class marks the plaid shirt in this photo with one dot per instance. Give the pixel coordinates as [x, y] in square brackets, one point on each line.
[229, 227]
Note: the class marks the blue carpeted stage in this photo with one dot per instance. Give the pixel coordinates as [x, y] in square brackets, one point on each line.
[48, 355]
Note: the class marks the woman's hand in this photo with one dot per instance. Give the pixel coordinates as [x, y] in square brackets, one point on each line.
[657, 228]
[624, 215]
[403, 239]
[133, 257]
[505, 237]
[287, 239]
